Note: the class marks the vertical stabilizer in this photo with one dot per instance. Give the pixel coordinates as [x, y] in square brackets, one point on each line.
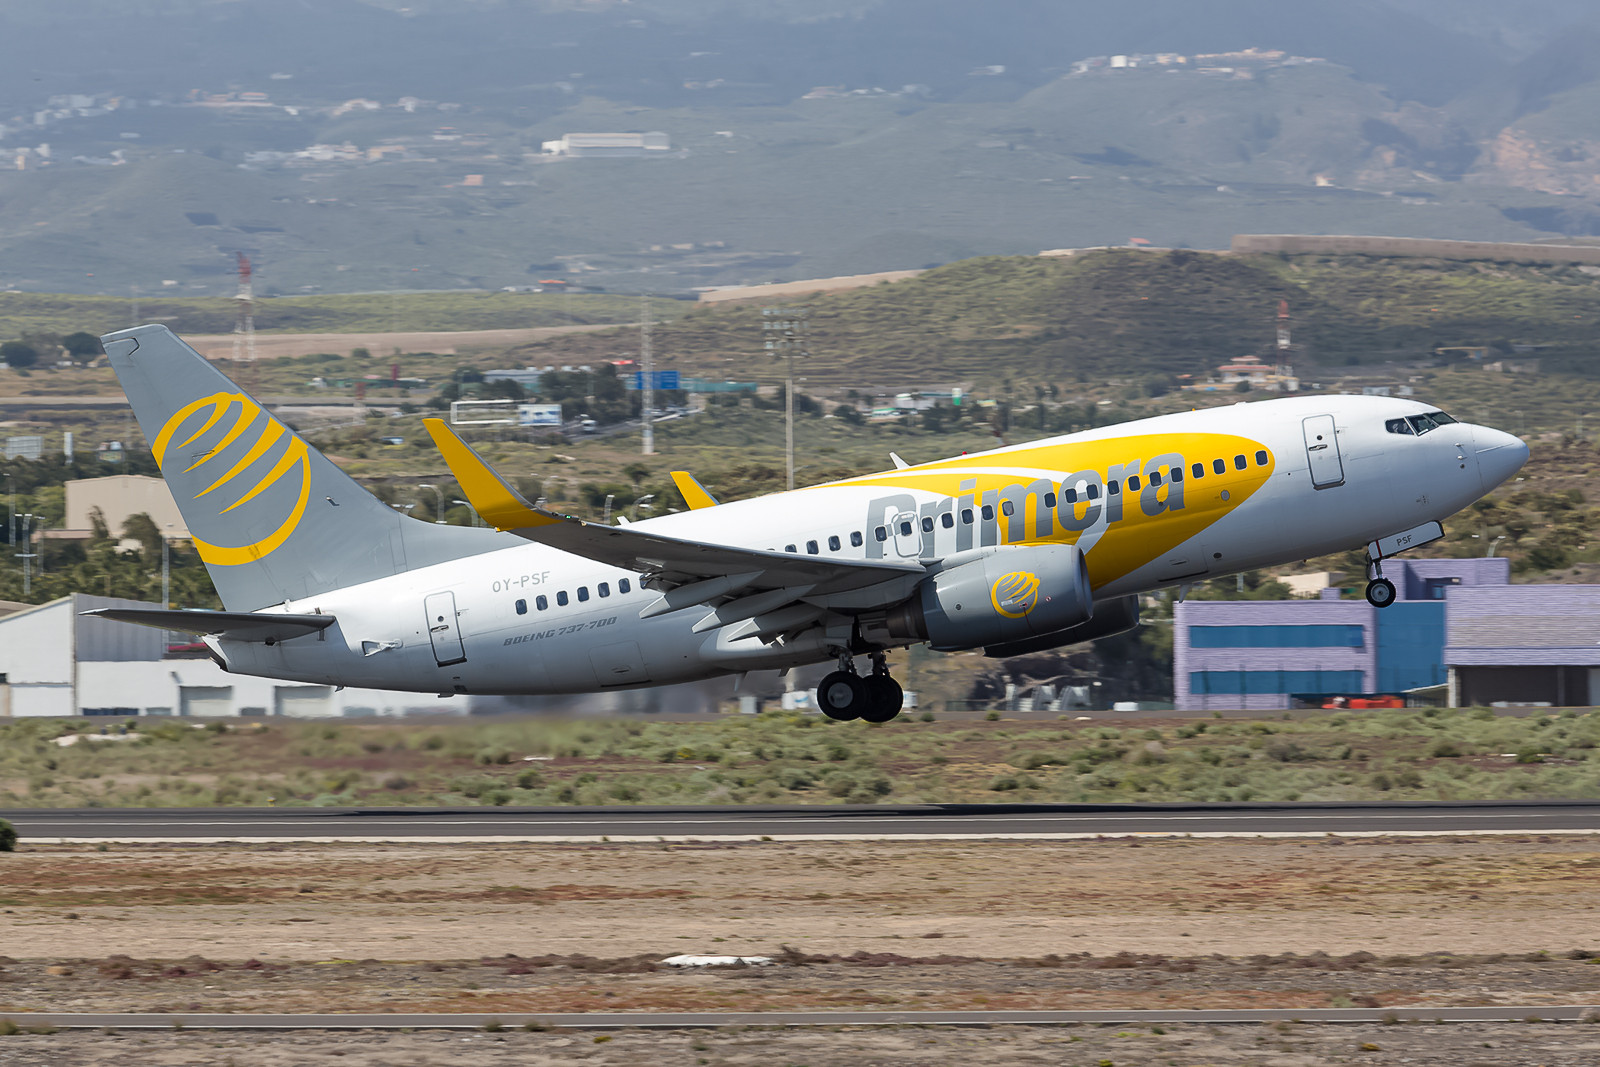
[271, 517]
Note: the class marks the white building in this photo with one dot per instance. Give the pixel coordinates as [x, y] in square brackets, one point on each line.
[54, 662]
[603, 145]
[119, 496]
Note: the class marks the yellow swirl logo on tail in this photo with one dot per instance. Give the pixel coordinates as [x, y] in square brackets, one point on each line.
[1015, 594]
[249, 418]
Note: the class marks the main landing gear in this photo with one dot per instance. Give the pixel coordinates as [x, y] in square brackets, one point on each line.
[845, 695]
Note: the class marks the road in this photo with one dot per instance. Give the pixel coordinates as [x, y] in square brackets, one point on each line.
[692, 1020]
[818, 822]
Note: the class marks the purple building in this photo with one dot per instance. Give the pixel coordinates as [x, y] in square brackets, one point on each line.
[1271, 654]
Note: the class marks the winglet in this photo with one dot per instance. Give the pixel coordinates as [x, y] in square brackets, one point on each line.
[694, 494]
[899, 464]
[500, 505]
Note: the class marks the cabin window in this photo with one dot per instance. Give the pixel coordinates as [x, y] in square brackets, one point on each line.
[1219, 466]
[947, 520]
[541, 602]
[1049, 500]
[790, 548]
[1177, 474]
[1007, 507]
[1112, 488]
[604, 589]
[1399, 426]
[1239, 463]
[1133, 483]
[833, 543]
[561, 599]
[1155, 477]
[522, 607]
[966, 516]
[811, 548]
[1070, 496]
[1198, 470]
[856, 539]
[1094, 491]
[881, 533]
[927, 524]
[905, 527]
[583, 593]
[624, 586]
[1261, 459]
[988, 512]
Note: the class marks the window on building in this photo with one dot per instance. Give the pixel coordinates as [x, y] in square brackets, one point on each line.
[1321, 635]
[522, 607]
[1245, 683]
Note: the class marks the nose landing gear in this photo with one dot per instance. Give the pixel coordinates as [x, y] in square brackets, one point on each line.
[1380, 592]
[845, 695]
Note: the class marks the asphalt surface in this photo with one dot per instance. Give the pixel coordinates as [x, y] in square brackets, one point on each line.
[818, 822]
[692, 1020]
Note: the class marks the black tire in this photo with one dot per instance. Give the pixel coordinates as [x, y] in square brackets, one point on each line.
[1380, 592]
[842, 695]
[884, 698]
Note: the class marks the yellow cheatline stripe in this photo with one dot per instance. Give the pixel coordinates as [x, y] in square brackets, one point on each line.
[224, 555]
[694, 494]
[246, 418]
[500, 505]
[269, 437]
[296, 451]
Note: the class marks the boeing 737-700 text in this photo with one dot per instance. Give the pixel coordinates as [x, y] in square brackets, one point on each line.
[1014, 550]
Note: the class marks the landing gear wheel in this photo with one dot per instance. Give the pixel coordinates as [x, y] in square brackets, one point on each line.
[843, 696]
[1380, 592]
[884, 698]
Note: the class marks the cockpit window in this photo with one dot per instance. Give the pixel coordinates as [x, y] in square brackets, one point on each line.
[1418, 424]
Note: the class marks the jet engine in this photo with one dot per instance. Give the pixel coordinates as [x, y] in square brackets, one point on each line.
[1006, 594]
[1110, 617]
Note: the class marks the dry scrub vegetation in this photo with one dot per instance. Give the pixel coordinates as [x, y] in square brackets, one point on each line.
[794, 758]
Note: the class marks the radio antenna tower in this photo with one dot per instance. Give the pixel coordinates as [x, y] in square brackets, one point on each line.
[244, 329]
[647, 376]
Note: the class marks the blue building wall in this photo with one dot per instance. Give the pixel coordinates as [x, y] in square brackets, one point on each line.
[1265, 654]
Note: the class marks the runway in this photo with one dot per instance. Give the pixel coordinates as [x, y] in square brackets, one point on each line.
[706, 1020]
[798, 823]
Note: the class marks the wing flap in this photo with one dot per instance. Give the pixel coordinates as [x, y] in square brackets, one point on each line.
[229, 625]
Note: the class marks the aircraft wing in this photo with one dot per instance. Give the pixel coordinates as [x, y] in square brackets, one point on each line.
[232, 625]
[666, 561]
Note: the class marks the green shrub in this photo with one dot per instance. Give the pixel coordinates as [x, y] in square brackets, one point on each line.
[8, 837]
[1445, 749]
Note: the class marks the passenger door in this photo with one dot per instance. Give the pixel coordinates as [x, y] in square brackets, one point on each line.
[444, 630]
[1322, 452]
[907, 534]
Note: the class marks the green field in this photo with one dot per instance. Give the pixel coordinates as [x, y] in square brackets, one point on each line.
[791, 758]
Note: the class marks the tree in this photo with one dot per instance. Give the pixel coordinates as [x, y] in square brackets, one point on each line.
[18, 354]
[81, 347]
[143, 529]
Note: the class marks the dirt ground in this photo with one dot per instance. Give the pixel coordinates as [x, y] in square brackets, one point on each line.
[275, 345]
[1287, 1045]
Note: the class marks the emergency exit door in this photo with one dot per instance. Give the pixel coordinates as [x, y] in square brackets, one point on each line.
[443, 629]
[1322, 452]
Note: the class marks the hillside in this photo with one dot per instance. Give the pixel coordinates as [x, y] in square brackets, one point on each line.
[1130, 315]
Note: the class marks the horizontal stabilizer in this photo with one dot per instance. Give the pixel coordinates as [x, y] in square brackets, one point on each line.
[229, 625]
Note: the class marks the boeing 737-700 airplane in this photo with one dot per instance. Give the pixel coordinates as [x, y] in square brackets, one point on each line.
[1015, 550]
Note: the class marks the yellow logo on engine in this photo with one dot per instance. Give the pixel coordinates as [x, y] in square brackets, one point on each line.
[252, 423]
[1015, 594]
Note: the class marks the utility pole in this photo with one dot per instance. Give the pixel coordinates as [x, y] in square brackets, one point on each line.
[438, 515]
[26, 555]
[647, 382]
[785, 328]
[11, 512]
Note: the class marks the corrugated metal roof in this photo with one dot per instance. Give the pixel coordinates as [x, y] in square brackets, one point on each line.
[1523, 625]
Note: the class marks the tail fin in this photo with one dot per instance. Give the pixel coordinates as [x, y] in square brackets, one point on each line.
[270, 516]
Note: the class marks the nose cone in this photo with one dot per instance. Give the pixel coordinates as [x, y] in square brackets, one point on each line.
[1500, 455]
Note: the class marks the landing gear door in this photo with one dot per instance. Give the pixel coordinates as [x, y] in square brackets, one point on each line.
[1322, 452]
[444, 630]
